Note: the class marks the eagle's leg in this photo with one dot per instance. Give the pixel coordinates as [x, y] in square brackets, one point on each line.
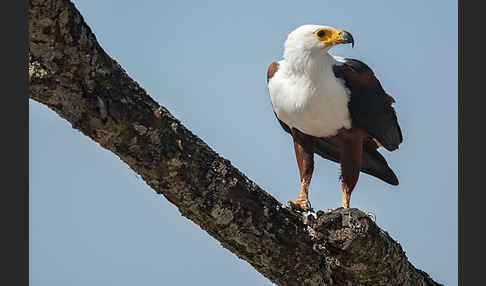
[304, 146]
[351, 153]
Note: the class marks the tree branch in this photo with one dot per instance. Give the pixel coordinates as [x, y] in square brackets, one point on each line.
[71, 74]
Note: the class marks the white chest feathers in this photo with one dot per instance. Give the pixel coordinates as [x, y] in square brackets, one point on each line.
[313, 101]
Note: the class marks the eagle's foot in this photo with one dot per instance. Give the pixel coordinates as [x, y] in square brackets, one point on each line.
[300, 205]
[371, 215]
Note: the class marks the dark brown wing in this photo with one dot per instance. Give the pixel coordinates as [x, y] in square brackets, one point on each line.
[370, 106]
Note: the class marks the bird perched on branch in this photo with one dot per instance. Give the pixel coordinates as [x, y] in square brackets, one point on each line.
[334, 107]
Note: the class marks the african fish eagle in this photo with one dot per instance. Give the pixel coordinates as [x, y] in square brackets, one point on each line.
[334, 107]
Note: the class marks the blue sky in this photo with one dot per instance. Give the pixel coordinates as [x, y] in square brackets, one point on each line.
[93, 220]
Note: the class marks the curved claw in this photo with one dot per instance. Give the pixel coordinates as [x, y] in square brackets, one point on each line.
[371, 215]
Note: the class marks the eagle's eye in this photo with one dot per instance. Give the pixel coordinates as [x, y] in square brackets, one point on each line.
[321, 33]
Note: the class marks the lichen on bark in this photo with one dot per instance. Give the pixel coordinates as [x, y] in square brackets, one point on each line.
[71, 74]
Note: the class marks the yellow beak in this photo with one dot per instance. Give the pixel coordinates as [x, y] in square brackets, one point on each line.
[340, 37]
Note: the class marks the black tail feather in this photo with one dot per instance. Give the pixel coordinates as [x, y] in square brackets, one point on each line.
[373, 162]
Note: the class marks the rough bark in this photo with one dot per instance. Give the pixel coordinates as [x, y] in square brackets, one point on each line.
[71, 74]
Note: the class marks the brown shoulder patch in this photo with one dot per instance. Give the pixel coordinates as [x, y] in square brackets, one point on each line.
[272, 69]
[357, 71]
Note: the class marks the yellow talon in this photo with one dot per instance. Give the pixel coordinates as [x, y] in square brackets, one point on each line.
[302, 202]
[299, 205]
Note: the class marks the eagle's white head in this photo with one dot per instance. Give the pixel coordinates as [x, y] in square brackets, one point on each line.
[314, 40]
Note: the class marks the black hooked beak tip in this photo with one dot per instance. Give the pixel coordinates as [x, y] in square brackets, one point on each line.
[347, 38]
